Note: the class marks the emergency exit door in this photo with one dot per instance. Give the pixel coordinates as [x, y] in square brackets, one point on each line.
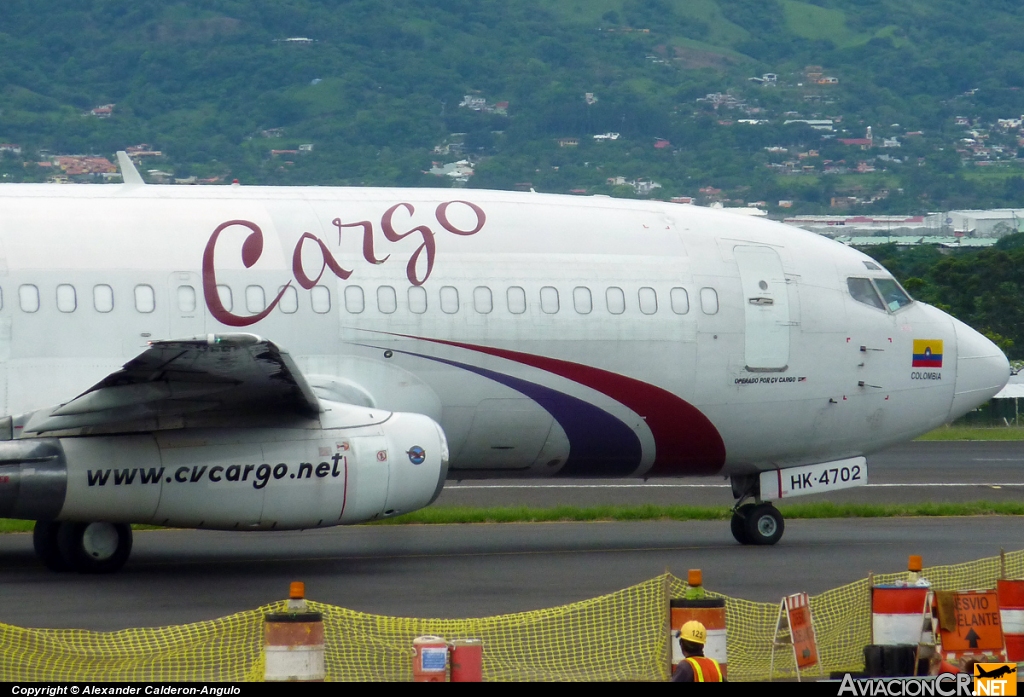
[765, 308]
[187, 308]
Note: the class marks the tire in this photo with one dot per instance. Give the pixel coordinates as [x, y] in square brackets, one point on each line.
[95, 548]
[764, 525]
[739, 523]
[44, 540]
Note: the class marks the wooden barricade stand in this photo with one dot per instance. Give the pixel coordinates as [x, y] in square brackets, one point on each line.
[795, 628]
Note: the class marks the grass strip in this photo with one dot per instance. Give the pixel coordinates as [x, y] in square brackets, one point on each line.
[521, 514]
[974, 433]
[446, 515]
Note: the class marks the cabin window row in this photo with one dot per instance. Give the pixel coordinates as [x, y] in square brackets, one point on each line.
[515, 301]
[255, 299]
[67, 300]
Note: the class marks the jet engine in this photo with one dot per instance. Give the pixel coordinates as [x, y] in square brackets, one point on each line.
[87, 489]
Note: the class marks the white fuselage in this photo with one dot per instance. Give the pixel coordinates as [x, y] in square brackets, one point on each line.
[545, 334]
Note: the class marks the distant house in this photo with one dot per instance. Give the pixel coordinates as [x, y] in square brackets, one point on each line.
[103, 112]
[76, 165]
[278, 153]
[473, 102]
[11, 148]
[606, 136]
[661, 144]
[816, 124]
[862, 143]
[681, 199]
[568, 142]
[306, 147]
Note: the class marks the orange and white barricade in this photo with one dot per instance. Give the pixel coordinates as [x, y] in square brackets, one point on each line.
[796, 621]
[1011, 612]
[711, 613]
[293, 642]
[898, 614]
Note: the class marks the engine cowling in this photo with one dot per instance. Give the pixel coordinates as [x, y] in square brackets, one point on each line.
[230, 479]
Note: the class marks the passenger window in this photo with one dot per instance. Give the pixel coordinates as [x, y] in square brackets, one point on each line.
[354, 301]
[516, 297]
[289, 300]
[680, 301]
[186, 299]
[103, 298]
[648, 301]
[255, 299]
[616, 300]
[449, 300]
[582, 300]
[28, 297]
[482, 300]
[549, 300]
[417, 300]
[709, 301]
[224, 293]
[67, 300]
[145, 298]
[863, 292]
[320, 296]
[387, 299]
[892, 294]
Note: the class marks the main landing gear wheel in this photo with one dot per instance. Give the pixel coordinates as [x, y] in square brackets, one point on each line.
[763, 525]
[94, 548]
[739, 523]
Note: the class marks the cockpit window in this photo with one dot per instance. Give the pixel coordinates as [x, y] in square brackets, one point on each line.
[863, 292]
[893, 296]
[872, 266]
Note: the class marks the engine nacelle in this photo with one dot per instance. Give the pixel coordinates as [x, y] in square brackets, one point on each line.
[230, 479]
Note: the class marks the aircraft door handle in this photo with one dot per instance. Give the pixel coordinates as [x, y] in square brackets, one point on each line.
[761, 301]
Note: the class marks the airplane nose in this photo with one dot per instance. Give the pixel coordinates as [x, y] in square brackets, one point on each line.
[981, 370]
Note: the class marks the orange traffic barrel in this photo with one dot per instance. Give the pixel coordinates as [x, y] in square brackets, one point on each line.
[1011, 614]
[711, 613]
[430, 659]
[467, 660]
[293, 641]
[899, 614]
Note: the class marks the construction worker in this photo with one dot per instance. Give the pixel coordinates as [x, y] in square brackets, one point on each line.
[695, 666]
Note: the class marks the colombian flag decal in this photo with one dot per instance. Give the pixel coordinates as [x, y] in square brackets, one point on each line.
[927, 353]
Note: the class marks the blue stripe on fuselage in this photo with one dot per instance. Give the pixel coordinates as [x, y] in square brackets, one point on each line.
[599, 443]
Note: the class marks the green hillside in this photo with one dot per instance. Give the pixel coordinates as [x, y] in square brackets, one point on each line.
[371, 90]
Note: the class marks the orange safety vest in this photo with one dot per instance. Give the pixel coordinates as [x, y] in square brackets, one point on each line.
[705, 669]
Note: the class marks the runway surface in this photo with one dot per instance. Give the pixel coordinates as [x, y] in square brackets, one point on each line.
[179, 576]
[910, 473]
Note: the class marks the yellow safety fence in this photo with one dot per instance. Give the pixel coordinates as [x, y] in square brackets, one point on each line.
[620, 636]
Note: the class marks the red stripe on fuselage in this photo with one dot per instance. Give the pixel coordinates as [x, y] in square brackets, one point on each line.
[686, 441]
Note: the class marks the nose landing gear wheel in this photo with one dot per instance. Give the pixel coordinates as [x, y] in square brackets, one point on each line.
[95, 548]
[764, 525]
